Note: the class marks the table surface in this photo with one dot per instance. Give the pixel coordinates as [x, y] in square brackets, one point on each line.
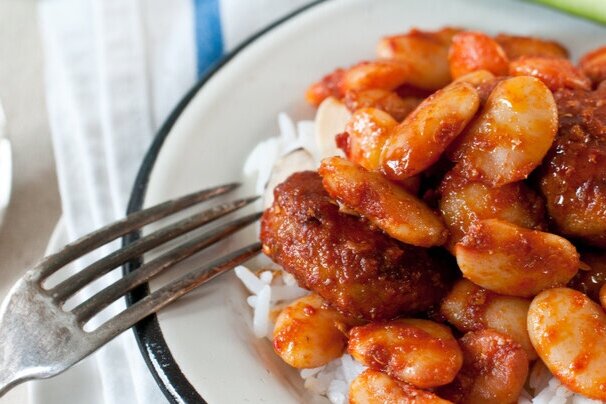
[35, 205]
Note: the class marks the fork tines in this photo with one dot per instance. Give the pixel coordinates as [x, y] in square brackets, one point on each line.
[93, 305]
[40, 337]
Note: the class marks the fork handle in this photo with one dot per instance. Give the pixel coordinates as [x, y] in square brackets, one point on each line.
[16, 352]
[8, 380]
[9, 365]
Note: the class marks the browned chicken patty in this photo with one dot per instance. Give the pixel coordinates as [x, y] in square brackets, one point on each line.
[573, 178]
[359, 270]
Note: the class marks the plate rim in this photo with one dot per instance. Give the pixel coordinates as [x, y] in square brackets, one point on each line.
[155, 351]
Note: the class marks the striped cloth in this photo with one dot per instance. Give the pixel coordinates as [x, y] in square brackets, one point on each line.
[114, 70]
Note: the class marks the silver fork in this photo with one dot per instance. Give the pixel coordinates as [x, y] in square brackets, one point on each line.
[39, 339]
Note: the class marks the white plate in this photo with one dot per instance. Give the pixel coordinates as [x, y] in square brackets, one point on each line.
[208, 333]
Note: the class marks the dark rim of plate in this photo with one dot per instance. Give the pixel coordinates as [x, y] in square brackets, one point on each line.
[155, 351]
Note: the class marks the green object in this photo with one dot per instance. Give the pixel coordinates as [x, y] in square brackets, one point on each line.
[591, 9]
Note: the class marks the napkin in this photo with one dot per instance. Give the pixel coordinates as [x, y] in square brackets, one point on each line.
[114, 70]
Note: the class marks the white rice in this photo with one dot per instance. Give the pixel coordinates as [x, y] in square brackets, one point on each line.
[252, 283]
[548, 390]
[269, 290]
[263, 157]
[333, 379]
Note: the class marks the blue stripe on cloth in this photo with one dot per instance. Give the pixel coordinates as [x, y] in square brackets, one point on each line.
[209, 40]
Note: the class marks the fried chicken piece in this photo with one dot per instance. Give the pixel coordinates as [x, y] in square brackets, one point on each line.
[573, 179]
[359, 270]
